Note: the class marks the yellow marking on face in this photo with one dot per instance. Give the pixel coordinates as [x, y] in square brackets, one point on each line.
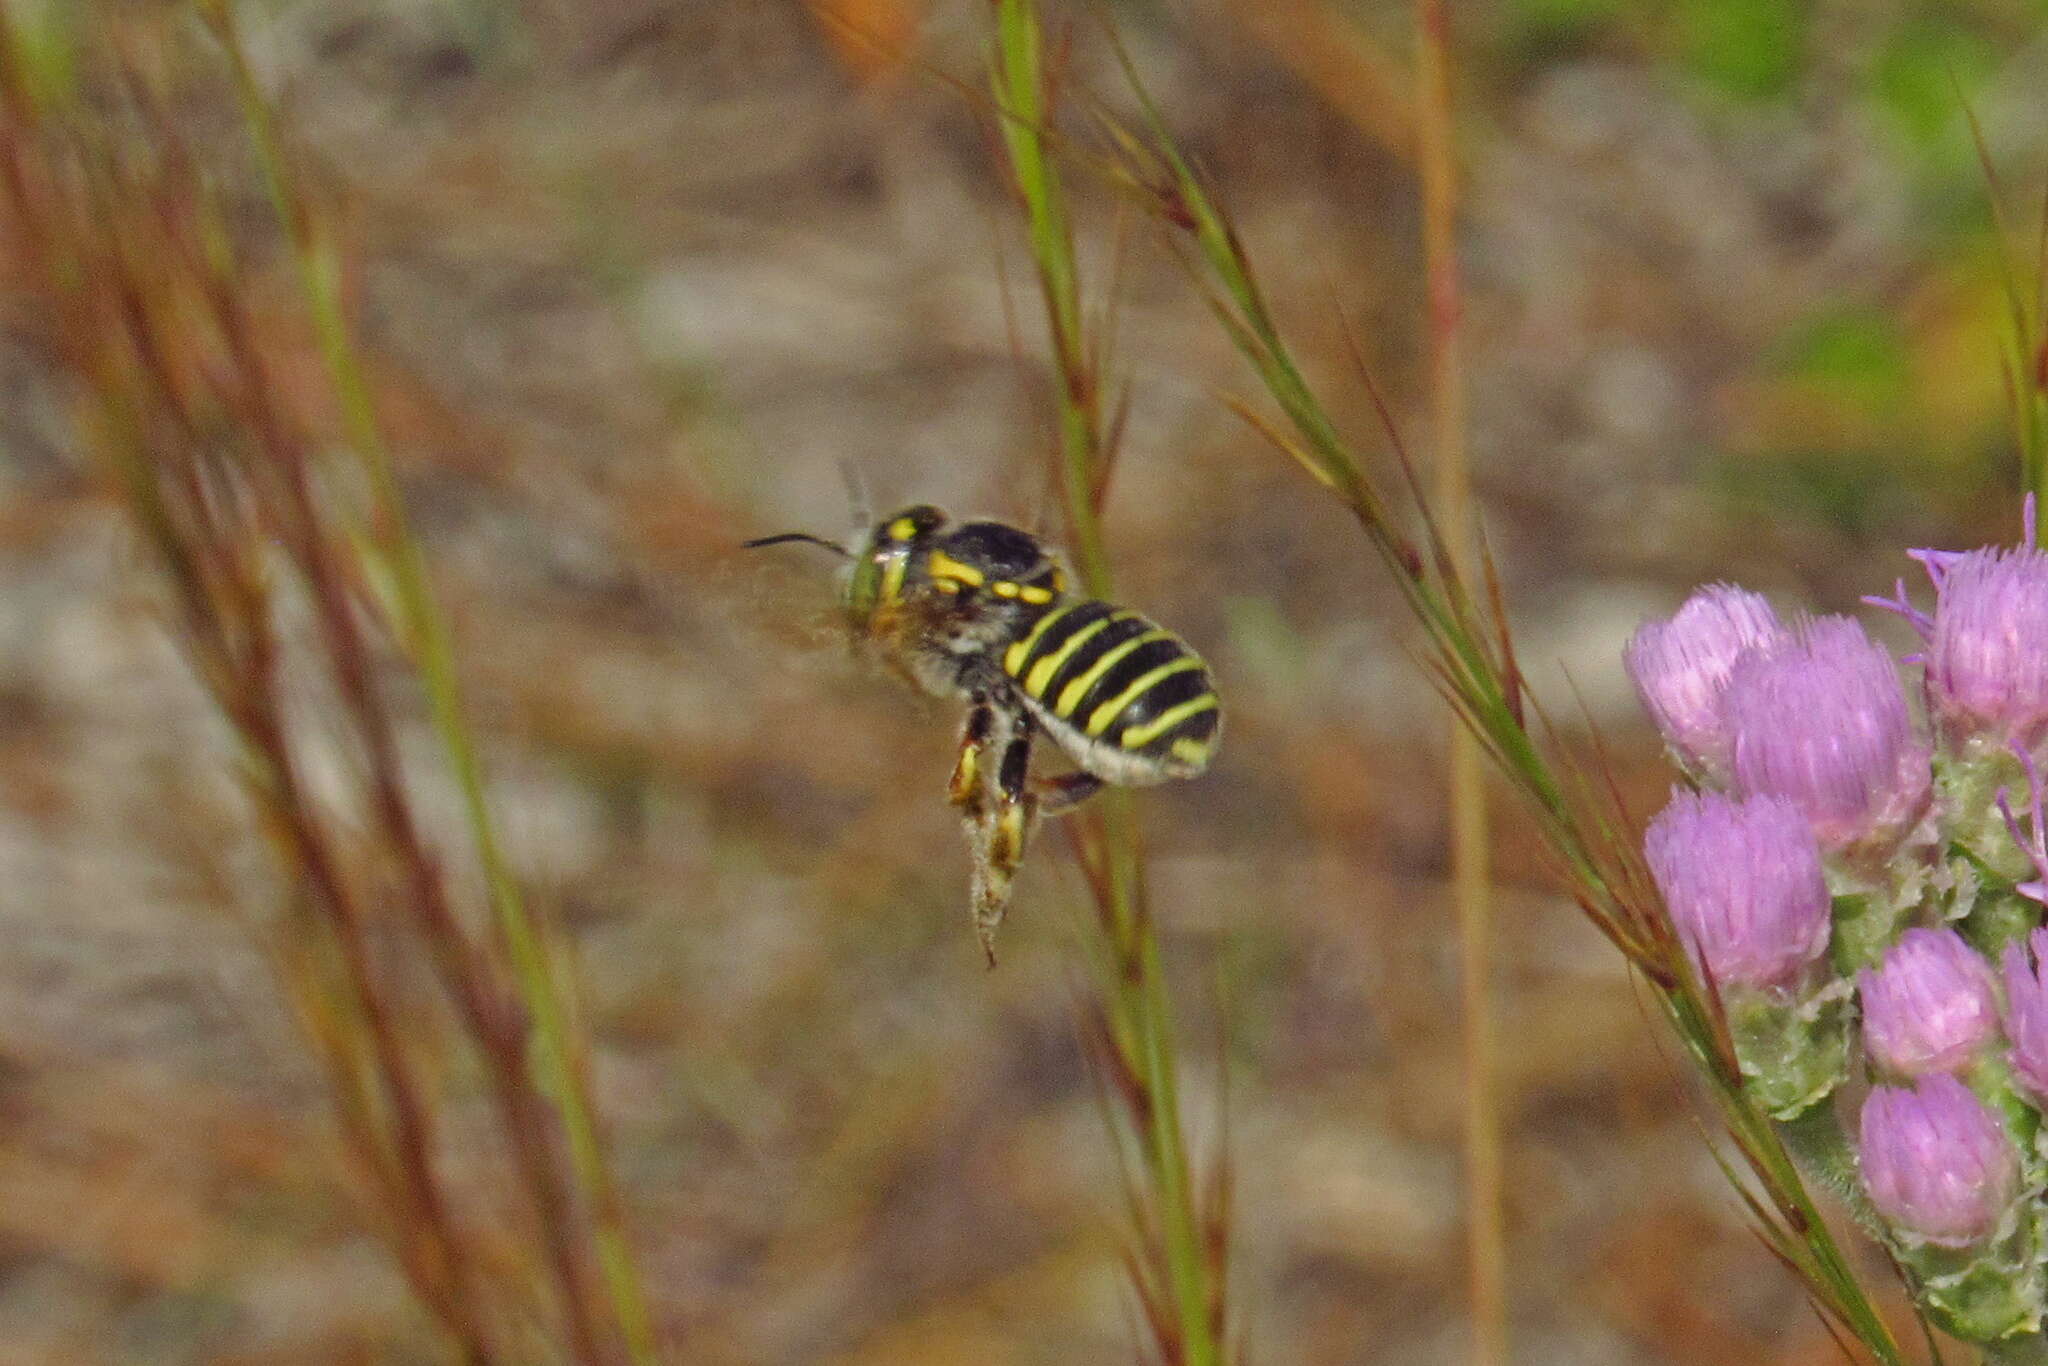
[902, 529]
[1099, 720]
[1071, 695]
[1139, 736]
[1059, 579]
[1014, 657]
[1044, 669]
[943, 566]
[1189, 750]
[1003, 588]
[892, 577]
[1035, 595]
[946, 585]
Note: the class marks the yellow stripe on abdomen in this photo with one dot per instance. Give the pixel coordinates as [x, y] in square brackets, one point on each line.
[1014, 657]
[1041, 672]
[1104, 716]
[1137, 737]
[1071, 695]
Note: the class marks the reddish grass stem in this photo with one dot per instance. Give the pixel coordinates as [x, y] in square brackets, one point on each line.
[150, 302]
[1470, 862]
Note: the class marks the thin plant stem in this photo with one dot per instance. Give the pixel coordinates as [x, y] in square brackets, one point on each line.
[1139, 1026]
[1471, 872]
[1021, 99]
[117, 272]
[557, 1067]
[1470, 660]
[2023, 361]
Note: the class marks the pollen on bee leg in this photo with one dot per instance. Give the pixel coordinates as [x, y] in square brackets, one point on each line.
[996, 838]
[965, 789]
[1006, 842]
[992, 878]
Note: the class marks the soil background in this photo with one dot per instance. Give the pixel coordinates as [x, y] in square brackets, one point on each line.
[642, 278]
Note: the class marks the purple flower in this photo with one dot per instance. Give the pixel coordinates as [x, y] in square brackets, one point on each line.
[1936, 1162]
[1680, 667]
[1822, 722]
[1987, 649]
[2026, 1011]
[1743, 882]
[1930, 1006]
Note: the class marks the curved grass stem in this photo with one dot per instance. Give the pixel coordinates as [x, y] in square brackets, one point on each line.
[1470, 659]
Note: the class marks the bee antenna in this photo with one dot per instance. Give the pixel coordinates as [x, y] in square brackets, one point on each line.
[787, 536]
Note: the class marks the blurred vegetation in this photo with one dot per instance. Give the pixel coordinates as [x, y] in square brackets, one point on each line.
[630, 282]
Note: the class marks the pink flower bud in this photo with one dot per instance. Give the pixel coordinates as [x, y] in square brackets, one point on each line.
[1936, 1161]
[1823, 723]
[1987, 652]
[1930, 1006]
[1743, 882]
[1680, 668]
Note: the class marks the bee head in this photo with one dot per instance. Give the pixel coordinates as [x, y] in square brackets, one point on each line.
[883, 559]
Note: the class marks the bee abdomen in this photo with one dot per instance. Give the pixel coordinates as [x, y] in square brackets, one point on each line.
[1125, 696]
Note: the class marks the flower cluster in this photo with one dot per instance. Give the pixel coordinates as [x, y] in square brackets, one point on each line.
[1862, 883]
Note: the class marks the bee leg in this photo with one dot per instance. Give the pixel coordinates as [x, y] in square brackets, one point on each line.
[1058, 796]
[1016, 805]
[1000, 833]
[965, 790]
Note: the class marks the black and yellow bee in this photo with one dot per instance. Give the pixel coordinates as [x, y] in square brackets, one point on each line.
[979, 611]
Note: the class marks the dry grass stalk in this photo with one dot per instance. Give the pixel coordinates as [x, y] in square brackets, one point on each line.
[168, 327]
[1471, 871]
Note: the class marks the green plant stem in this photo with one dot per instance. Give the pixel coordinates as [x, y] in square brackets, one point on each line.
[556, 1064]
[1021, 105]
[2024, 358]
[1139, 1005]
[1474, 670]
[1798, 1234]
[1144, 1012]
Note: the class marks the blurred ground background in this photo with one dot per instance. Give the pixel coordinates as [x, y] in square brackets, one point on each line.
[640, 276]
